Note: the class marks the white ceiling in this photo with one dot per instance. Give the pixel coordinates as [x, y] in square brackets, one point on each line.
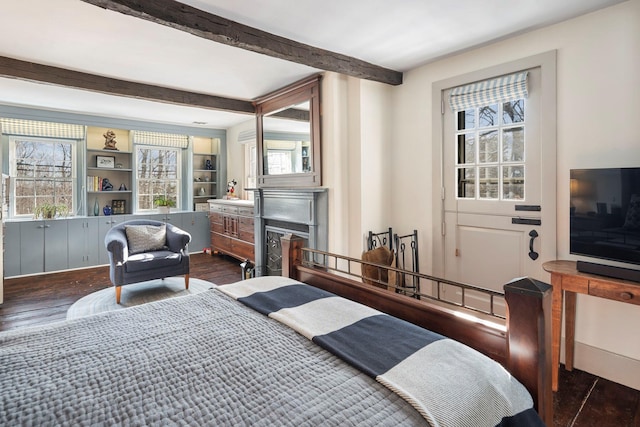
[399, 35]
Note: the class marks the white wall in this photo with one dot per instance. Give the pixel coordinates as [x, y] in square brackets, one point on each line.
[367, 126]
[356, 142]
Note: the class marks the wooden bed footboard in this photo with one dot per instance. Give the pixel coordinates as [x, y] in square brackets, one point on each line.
[523, 347]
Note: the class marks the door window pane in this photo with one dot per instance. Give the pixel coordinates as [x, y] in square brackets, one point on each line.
[491, 148]
[466, 182]
[513, 144]
[488, 147]
[489, 184]
[466, 148]
[513, 182]
[466, 119]
[488, 116]
[513, 112]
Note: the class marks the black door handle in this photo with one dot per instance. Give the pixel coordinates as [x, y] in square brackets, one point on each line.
[533, 254]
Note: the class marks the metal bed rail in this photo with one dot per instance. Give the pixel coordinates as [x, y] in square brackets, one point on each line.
[352, 268]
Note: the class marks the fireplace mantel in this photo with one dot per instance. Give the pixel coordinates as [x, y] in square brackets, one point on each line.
[302, 211]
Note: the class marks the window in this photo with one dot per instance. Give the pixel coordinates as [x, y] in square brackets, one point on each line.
[158, 174]
[43, 171]
[250, 166]
[490, 151]
[278, 162]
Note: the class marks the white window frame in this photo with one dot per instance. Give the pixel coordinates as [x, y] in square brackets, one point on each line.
[13, 140]
[178, 180]
[500, 163]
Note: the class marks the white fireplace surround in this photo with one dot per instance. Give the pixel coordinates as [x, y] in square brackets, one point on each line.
[302, 211]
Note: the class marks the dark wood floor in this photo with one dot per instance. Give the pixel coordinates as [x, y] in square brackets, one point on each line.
[582, 400]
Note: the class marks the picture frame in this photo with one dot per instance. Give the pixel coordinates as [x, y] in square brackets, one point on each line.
[107, 162]
[118, 207]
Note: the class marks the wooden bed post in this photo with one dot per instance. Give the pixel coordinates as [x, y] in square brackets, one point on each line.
[529, 340]
[291, 254]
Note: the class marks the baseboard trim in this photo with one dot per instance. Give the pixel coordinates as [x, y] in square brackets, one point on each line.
[611, 366]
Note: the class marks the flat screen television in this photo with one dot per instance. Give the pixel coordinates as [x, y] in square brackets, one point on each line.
[605, 214]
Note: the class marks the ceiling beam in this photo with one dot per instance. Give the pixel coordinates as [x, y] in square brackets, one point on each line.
[30, 71]
[212, 27]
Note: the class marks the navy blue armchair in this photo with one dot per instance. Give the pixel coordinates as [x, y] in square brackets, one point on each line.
[141, 250]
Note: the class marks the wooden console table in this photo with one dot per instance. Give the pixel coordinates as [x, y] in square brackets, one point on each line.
[567, 281]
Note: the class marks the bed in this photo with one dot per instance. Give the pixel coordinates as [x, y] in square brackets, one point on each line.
[215, 358]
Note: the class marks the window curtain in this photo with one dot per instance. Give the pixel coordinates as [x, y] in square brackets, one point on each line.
[41, 129]
[161, 139]
[500, 89]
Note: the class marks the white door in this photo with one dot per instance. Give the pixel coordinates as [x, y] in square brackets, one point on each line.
[498, 206]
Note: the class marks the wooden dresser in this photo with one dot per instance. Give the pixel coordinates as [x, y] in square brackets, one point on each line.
[232, 231]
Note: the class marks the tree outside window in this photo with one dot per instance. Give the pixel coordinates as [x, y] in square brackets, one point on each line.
[43, 173]
[158, 174]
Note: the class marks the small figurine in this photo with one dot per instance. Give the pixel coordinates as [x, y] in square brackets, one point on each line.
[122, 187]
[231, 188]
[110, 140]
[106, 185]
[208, 166]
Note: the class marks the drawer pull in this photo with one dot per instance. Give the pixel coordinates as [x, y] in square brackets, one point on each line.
[626, 296]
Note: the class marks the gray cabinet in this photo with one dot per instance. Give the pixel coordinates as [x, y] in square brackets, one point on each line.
[197, 224]
[12, 245]
[82, 242]
[33, 247]
[43, 246]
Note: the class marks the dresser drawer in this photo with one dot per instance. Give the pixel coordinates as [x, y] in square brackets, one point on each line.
[215, 207]
[245, 211]
[215, 217]
[220, 242]
[231, 210]
[575, 284]
[615, 291]
[242, 250]
[246, 222]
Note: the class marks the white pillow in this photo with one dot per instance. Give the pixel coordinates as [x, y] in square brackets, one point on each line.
[145, 238]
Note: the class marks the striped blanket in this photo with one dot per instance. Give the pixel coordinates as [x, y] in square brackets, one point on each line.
[449, 383]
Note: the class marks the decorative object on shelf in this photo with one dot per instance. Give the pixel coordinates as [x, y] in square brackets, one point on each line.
[203, 192]
[164, 203]
[108, 162]
[122, 187]
[206, 179]
[106, 185]
[110, 140]
[50, 210]
[231, 189]
[198, 179]
[119, 165]
[106, 210]
[118, 207]
[96, 208]
[208, 166]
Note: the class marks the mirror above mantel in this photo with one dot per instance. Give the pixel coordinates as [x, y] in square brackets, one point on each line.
[288, 136]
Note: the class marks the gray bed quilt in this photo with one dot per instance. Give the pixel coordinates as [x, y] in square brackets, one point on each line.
[202, 359]
[449, 383]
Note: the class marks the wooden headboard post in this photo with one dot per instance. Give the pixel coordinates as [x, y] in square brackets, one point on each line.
[529, 340]
[291, 253]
